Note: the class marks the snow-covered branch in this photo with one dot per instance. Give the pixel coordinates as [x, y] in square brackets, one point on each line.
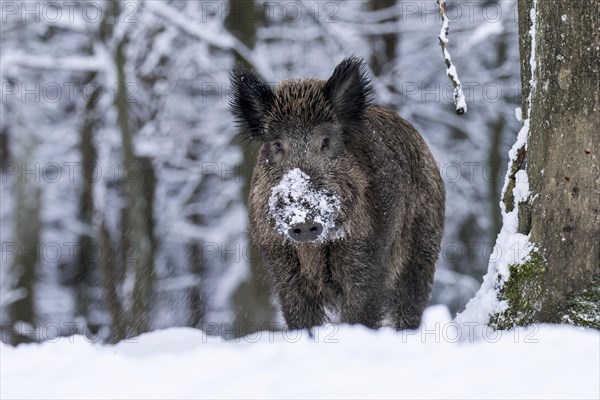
[459, 97]
[73, 63]
[220, 38]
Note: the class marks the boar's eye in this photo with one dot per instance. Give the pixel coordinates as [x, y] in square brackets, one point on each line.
[278, 147]
[324, 143]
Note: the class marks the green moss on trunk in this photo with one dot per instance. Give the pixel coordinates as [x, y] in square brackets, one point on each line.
[584, 308]
[522, 291]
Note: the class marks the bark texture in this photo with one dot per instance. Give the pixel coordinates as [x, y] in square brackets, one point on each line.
[562, 158]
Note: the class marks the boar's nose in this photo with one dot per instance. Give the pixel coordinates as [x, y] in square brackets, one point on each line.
[306, 231]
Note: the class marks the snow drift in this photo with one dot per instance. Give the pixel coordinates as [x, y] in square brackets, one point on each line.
[442, 359]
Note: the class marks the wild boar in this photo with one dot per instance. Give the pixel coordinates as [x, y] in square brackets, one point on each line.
[346, 203]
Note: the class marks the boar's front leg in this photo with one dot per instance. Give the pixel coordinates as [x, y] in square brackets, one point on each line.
[300, 299]
[359, 272]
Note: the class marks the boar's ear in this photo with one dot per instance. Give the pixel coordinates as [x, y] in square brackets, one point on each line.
[349, 90]
[250, 101]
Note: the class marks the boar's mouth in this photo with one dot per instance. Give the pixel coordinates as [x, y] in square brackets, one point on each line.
[302, 213]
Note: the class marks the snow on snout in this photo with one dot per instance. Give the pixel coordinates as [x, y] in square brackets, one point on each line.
[294, 200]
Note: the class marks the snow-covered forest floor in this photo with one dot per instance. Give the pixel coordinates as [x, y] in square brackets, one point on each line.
[441, 360]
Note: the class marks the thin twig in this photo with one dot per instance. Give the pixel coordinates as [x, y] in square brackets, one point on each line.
[459, 97]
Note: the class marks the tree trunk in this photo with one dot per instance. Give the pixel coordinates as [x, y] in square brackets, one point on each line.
[195, 297]
[134, 252]
[252, 299]
[109, 270]
[85, 259]
[564, 149]
[562, 160]
[137, 227]
[29, 248]
[384, 44]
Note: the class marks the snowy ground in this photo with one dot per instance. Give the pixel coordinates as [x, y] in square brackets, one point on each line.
[543, 361]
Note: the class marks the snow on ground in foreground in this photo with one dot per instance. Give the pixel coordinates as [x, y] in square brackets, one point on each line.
[544, 361]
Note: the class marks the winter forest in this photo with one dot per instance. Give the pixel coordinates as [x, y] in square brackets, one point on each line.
[125, 236]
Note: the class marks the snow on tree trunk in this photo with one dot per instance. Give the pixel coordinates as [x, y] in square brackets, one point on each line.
[546, 263]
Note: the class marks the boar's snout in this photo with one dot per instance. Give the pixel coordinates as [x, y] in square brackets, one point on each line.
[303, 213]
[305, 232]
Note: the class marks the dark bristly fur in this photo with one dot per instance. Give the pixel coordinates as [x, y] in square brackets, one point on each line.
[349, 90]
[392, 198]
[250, 111]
